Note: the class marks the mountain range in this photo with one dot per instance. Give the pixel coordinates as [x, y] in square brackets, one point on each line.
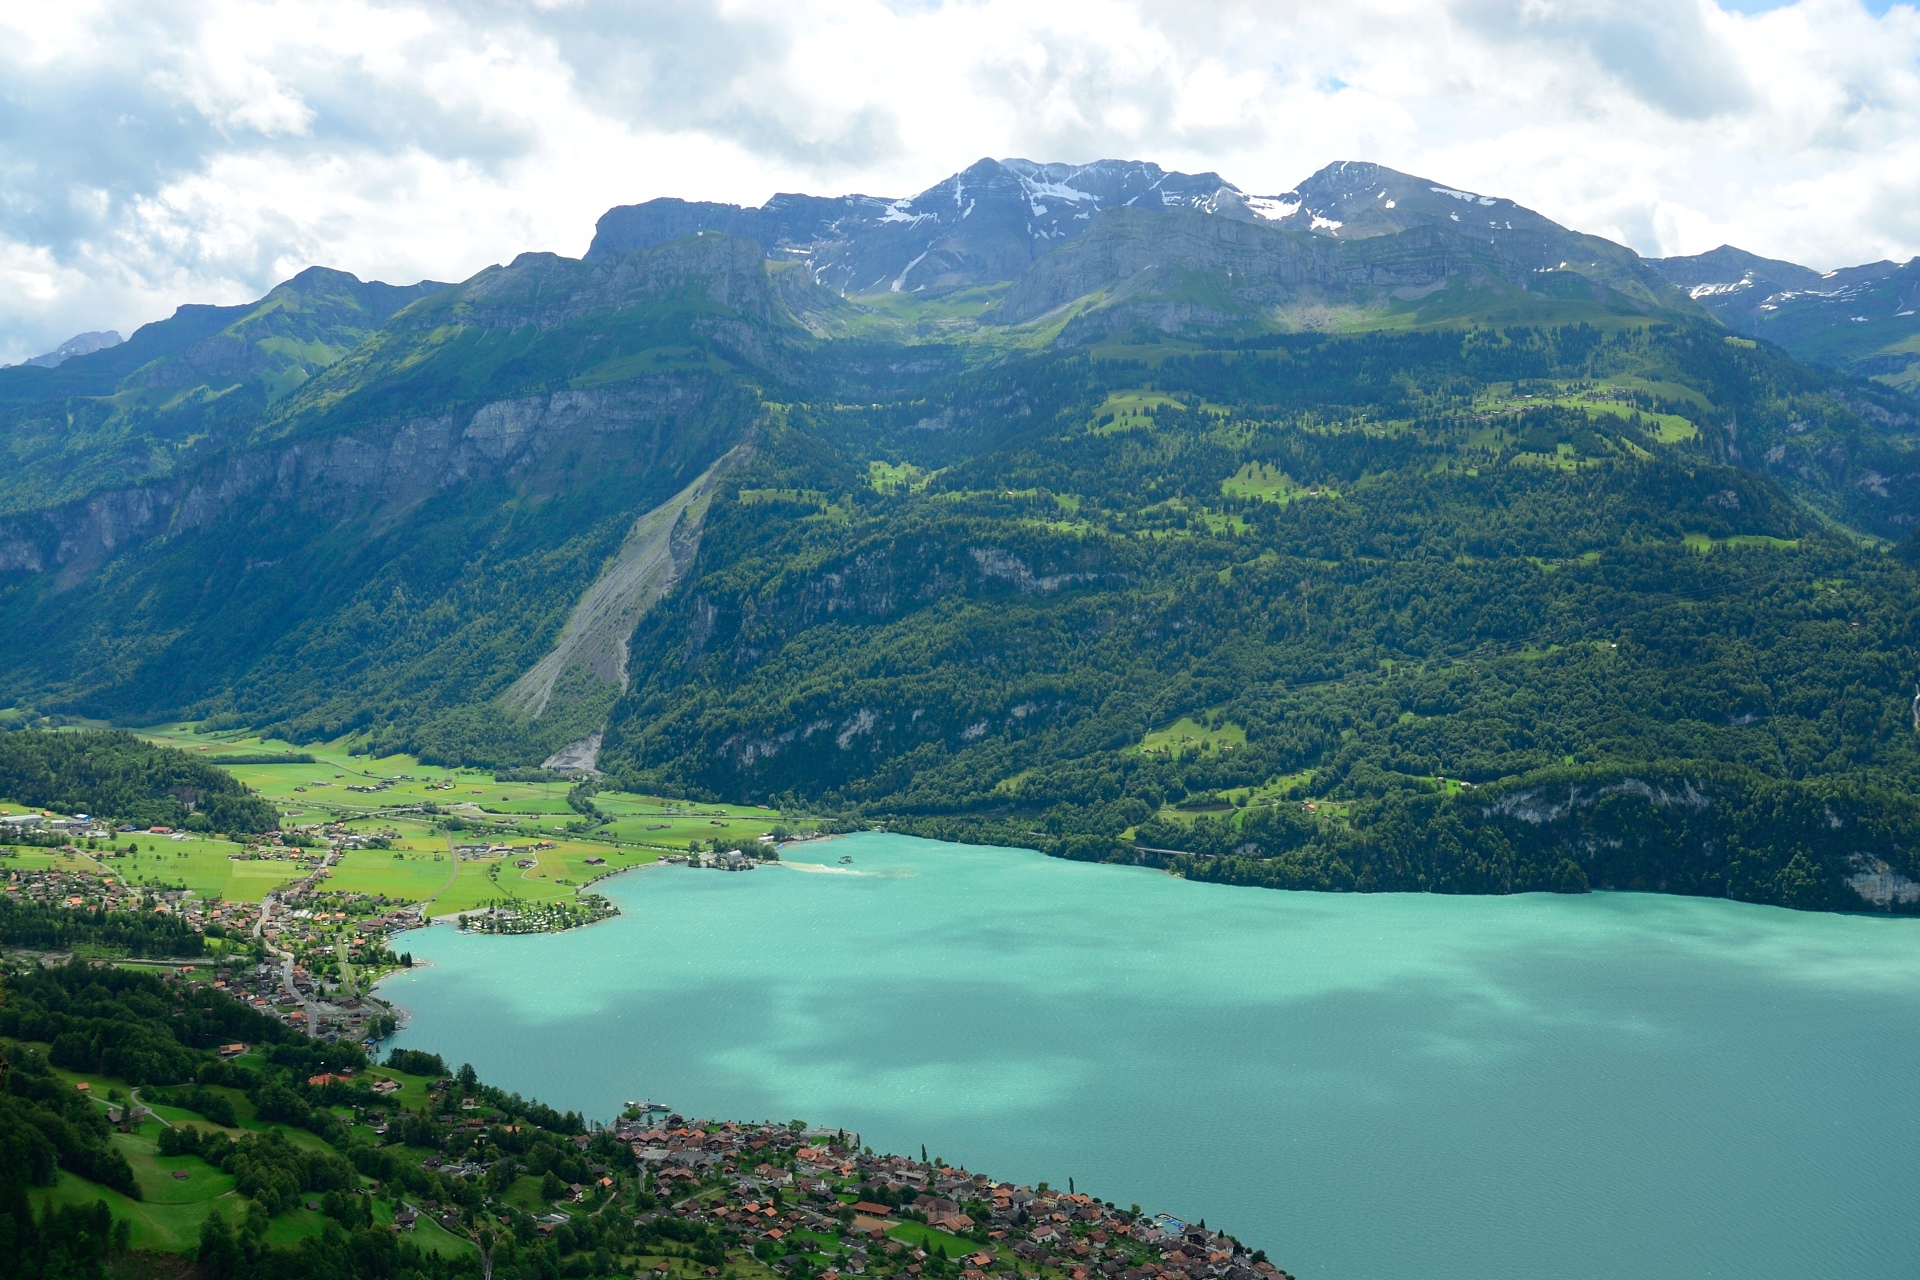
[1103, 508]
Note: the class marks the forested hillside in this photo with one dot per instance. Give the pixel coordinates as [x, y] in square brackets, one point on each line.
[1362, 571]
[115, 775]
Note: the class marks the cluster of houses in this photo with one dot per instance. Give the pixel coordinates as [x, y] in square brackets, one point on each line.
[85, 890]
[727, 860]
[479, 851]
[820, 1194]
[80, 826]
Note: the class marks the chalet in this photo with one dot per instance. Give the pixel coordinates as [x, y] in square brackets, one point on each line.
[232, 1050]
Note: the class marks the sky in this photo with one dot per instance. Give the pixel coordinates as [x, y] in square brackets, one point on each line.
[156, 152]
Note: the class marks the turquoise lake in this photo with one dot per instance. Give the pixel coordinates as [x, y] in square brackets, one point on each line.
[1611, 1085]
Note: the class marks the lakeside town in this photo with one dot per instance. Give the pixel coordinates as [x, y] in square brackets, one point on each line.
[659, 1190]
[296, 925]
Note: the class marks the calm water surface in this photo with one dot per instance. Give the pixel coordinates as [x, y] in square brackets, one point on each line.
[1615, 1085]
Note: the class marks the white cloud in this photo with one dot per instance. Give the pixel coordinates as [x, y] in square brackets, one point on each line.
[160, 151]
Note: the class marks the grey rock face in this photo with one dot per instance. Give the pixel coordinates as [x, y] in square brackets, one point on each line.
[592, 648]
[384, 468]
[985, 224]
[1031, 224]
[1736, 285]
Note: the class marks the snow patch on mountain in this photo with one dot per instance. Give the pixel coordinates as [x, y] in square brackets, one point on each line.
[1274, 208]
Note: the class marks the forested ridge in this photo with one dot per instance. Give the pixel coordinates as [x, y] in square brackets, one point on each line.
[112, 774]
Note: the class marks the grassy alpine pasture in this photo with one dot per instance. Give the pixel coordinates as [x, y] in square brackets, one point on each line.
[169, 1215]
[1187, 735]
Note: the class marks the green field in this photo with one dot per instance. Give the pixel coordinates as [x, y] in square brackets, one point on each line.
[925, 1237]
[1188, 735]
[1265, 481]
[884, 476]
[420, 865]
[169, 1215]
[1702, 543]
[411, 875]
[1129, 411]
[202, 865]
[1668, 428]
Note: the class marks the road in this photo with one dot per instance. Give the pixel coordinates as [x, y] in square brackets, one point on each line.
[267, 904]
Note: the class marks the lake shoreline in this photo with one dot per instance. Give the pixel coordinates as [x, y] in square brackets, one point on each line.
[1270, 1058]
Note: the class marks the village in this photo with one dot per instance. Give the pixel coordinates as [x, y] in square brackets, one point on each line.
[306, 951]
[818, 1195]
[805, 1202]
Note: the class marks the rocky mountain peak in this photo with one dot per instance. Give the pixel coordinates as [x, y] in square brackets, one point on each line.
[985, 224]
[1354, 200]
[81, 344]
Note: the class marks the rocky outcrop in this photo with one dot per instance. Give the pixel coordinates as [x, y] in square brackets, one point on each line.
[1175, 269]
[547, 290]
[385, 468]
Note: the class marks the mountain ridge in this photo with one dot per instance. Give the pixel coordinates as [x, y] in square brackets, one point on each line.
[1302, 473]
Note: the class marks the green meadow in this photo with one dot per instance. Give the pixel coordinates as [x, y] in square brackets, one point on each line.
[179, 1192]
[422, 812]
[1187, 735]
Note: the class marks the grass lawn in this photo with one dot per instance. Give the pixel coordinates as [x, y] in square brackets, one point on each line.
[525, 1193]
[919, 1233]
[168, 1228]
[412, 875]
[154, 1172]
[296, 1224]
[431, 1237]
[413, 1089]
